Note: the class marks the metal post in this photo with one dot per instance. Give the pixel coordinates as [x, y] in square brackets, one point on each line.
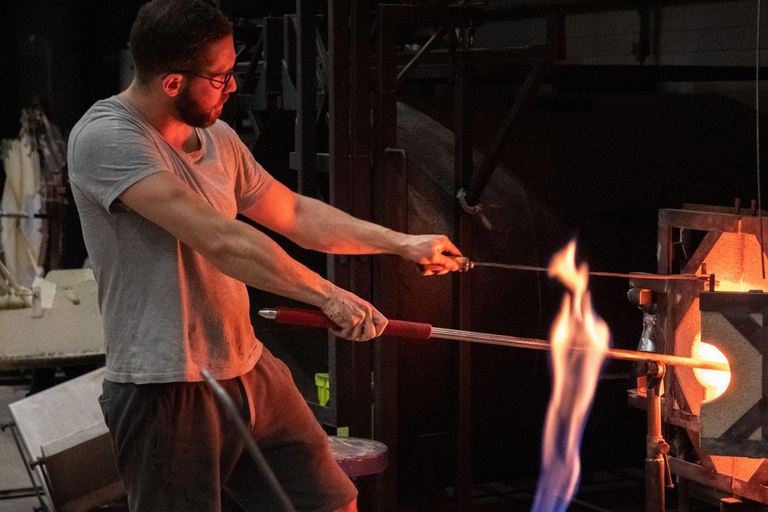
[306, 83]
[360, 200]
[556, 34]
[644, 35]
[656, 447]
[341, 354]
[462, 284]
[361, 135]
[389, 209]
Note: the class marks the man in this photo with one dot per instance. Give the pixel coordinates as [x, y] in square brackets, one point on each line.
[158, 182]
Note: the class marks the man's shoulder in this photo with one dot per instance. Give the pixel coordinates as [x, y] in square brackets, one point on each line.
[109, 136]
[109, 108]
[107, 119]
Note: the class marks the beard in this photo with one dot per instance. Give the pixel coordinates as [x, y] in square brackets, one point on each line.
[190, 112]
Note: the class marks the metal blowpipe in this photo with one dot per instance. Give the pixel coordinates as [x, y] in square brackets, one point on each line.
[465, 265]
[416, 330]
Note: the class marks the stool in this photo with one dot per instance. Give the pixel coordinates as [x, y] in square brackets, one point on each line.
[359, 457]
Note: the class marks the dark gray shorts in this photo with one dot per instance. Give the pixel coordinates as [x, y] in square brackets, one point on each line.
[177, 450]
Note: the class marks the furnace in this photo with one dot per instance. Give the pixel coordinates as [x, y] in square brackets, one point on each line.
[715, 422]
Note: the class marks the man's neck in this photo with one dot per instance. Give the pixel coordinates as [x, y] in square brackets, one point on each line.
[158, 113]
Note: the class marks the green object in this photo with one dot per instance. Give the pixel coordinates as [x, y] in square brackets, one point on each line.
[342, 432]
[323, 382]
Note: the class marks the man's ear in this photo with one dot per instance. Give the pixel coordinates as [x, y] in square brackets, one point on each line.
[172, 84]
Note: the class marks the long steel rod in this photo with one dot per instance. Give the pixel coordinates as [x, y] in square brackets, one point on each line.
[465, 264]
[416, 330]
[537, 344]
[684, 277]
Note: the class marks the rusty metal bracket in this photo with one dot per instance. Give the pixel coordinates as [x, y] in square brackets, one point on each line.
[472, 210]
[476, 210]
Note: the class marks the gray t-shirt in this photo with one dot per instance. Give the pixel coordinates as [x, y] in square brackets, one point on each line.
[168, 312]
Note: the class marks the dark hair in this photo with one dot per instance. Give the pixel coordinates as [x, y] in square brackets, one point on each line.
[173, 35]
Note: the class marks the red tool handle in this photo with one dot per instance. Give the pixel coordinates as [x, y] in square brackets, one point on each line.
[311, 318]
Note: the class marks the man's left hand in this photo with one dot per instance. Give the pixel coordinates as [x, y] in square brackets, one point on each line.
[433, 252]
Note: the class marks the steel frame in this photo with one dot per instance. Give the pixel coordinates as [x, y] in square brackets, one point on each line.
[36, 477]
[709, 478]
[670, 312]
[462, 283]
[714, 222]
[675, 410]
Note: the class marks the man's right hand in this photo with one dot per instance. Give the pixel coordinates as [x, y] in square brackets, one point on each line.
[357, 319]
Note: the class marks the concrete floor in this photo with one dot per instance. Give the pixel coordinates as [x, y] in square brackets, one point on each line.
[616, 491]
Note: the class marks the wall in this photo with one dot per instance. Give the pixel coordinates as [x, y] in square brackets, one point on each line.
[705, 34]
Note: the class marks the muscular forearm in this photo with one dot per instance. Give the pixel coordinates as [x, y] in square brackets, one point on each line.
[246, 254]
[321, 227]
[318, 226]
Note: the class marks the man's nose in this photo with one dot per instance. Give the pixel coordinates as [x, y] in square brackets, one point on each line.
[232, 85]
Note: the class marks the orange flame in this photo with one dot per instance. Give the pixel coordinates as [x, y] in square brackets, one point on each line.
[579, 342]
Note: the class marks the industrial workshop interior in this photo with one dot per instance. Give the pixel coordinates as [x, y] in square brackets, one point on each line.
[592, 336]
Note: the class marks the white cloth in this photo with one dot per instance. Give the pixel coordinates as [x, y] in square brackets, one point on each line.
[22, 238]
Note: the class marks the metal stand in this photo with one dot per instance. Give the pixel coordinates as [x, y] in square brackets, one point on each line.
[29, 466]
[656, 467]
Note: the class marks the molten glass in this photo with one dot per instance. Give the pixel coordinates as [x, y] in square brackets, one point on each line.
[715, 383]
[579, 342]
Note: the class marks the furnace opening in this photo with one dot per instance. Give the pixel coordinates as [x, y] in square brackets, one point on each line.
[715, 382]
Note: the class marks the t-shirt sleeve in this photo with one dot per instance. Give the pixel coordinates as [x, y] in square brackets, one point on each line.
[107, 157]
[252, 179]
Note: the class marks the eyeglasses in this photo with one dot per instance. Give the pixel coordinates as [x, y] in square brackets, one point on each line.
[215, 82]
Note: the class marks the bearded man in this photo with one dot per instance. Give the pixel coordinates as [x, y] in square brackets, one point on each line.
[158, 182]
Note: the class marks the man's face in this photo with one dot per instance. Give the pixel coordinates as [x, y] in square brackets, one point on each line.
[200, 101]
